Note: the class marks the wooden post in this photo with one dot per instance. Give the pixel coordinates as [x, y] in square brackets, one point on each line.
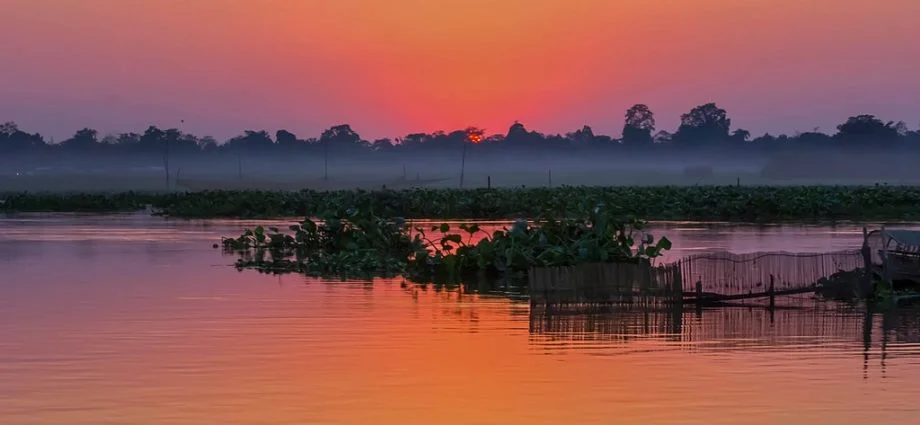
[699, 298]
[550, 177]
[886, 266]
[239, 167]
[772, 293]
[404, 172]
[166, 161]
[325, 159]
[677, 310]
[866, 282]
[678, 286]
[738, 182]
[488, 182]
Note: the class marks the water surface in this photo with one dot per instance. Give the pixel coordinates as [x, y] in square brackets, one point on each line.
[130, 319]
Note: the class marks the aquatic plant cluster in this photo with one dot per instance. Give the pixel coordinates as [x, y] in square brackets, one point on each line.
[78, 202]
[727, 203]
[356, 242]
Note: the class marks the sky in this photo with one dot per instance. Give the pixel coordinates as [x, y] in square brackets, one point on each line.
[393, 67]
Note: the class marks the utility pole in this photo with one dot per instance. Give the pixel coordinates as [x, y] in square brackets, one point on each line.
[463, 164]
[326, 159]
[166, 153]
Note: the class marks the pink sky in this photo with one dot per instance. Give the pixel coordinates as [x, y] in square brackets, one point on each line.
[392, 67]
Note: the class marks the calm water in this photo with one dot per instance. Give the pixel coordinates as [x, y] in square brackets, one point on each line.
[134, 320]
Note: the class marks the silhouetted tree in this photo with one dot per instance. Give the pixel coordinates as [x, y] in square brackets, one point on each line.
[867, 129]
[207, 144]
[342, 138]
[252, 141]
[128, 141]
[519, 137]
[663, 137]
[703, 127]
[741, 136]
[285, 138]
[12, 139]
[8, 128]
[381, 145]
[84, 139]
[153, 140]
[704, 124]
[639, 126]
[583, 137]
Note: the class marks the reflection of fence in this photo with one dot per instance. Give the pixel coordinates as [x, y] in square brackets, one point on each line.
[602, 283]
[713, 328]
[733, 274]
[710, 277]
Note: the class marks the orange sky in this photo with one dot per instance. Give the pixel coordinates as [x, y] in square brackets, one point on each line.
[391, 67]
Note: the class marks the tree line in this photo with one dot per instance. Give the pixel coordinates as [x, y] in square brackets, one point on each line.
[703, 127]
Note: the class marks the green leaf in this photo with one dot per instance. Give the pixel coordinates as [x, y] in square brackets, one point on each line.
[664, 243]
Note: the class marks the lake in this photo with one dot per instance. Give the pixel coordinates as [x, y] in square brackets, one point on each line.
[128, 319]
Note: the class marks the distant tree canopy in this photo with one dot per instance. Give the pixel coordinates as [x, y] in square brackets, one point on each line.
[864, 129]
[704, 126]
[639, 126]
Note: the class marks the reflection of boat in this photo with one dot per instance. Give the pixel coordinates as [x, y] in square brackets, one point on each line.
[314, 184]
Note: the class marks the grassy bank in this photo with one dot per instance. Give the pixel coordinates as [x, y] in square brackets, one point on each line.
[727, 203]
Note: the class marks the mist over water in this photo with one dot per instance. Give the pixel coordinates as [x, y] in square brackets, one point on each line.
[444, 169]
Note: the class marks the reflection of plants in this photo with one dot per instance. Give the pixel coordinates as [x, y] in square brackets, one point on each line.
[887, 296]
[354, 242]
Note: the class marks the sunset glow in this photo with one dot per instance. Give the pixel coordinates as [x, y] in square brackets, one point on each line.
[474, 135]
[394, 67]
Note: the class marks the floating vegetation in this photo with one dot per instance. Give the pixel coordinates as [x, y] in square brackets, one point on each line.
[845, 285]
[725, 203]
[78, 202]
[349, 243]
[356, 242]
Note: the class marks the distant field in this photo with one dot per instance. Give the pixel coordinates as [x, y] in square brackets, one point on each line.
[720, 203]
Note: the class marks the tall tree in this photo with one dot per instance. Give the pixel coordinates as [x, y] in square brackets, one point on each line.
[285, 138]
[639, 126]
[253, 141]
[704, 124]
[12, 139]
[583, 137]
[341, 137]
[83, 140]
[866, 129]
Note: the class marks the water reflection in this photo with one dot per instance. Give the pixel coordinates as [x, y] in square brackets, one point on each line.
[155, 326]
[810, 326]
